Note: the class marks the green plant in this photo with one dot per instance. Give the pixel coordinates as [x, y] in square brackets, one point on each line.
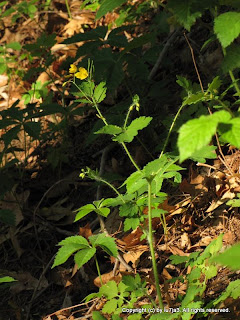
[143, 186]
[8, 60]
[22, 9]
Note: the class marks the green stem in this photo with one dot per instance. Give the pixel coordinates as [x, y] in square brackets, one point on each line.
[68, 9]
[170, 130]
[127, 116]
[98, 270]
[123, 144]
[80, 91]
[151, 245]
[130, 157]
[112, 187]
[234, 81]
[224, 106]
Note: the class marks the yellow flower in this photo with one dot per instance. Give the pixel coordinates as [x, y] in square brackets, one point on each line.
[82, 74]
[73, 68]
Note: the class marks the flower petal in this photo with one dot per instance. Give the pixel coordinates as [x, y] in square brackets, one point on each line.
[82, 74]
[72, 68]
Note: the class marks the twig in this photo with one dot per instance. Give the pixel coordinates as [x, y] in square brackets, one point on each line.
[155, 68]
[194, 62]
[223, 159]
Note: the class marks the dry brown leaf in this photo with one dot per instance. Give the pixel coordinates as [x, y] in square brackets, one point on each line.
[133, 238]
[177, 251]
[74, 26]
[166, 274]
[85, 231]
[133, 256]
[227, 196]
[185, 241]
[107, 277]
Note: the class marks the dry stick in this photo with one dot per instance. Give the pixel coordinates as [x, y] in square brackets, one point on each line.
[201, 85]
[72, 307]
[162, 54]
[105, 152]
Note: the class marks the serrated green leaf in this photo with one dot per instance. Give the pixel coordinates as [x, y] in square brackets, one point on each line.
[110, 129]
[184, 12]
[235, 203]
[14, 45]
[64, 253]
[134, 182]
[178, 259]
[3, 67]
[132, 130]
[109, 290]
[83, 211]
[210, 272]
[96, 315]
[232, 290]
[100, 92]
[78, 240]
[83, 256]
[191, 293]
[103, 212]
[164, 316]
[6, 279]
[194, 98]
[139, 42]
[131, 223]
[110, 306]
[136, 316]
[4, 123]
[197, 133]
[11, 135]
[225, 34]
[32, 128]
[211, 249]
[93, 34]
[206, 152]
[105, 242]
[107, 6]
[231, 60]
[229, 258]
[128, 210]
[232, 134]
[214, 85]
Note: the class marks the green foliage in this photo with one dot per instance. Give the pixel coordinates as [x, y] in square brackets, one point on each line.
[84, 249]
[107, 6]
[229, 257]
[184, 12]
[120, 296]
[6, 279]
[225, 34]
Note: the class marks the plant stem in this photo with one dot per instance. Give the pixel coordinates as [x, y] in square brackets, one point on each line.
[234, 81]
[170, 130]
[232, 76]
[130, 157]
[68, 9]
[151, 245]
[112, 187]
[98, 270]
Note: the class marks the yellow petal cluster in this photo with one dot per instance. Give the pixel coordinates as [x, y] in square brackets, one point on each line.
[73, 68]
[80, 73]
